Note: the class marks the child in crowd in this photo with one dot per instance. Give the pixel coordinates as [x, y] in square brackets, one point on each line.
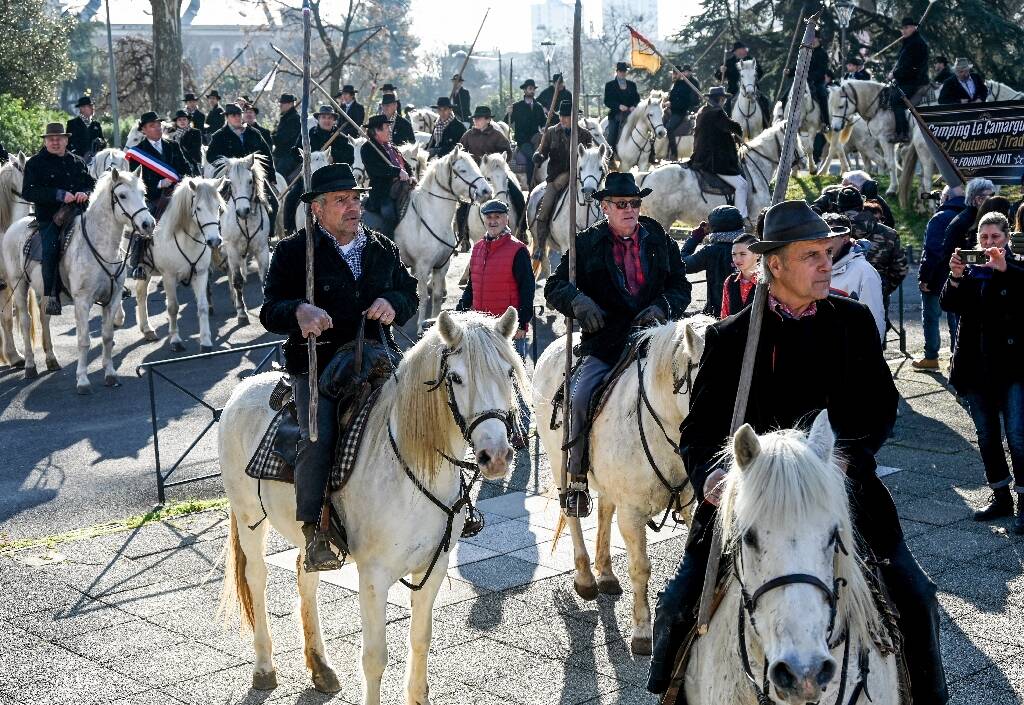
[738, 287]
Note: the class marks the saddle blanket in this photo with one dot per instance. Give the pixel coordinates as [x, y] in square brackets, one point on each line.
[33, 250]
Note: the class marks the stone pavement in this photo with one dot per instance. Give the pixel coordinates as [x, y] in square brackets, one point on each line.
[132, 617]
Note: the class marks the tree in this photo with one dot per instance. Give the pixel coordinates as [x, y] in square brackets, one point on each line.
[34, 51]
[167, 54]
[133, 57]
[90, 75]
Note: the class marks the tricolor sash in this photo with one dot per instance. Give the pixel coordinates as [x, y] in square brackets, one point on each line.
[134, 154]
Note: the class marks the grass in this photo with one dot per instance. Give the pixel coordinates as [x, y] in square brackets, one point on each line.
[159, 513]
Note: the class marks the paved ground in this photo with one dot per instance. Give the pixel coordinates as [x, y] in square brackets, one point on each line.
[130, 617]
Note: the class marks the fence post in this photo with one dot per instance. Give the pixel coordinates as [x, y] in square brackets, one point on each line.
[156, 439]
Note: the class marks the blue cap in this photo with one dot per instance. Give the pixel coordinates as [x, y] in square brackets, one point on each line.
[494, 206]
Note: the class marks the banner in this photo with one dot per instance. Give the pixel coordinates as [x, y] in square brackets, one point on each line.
[983, 139]
[643, 55]
[134, 154]
[266, 83]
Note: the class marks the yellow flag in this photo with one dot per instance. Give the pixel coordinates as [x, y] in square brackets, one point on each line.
[643, 54]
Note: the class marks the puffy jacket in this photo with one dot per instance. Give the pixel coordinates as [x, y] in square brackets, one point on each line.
[854, 277]
[934, 268]
[500, 276]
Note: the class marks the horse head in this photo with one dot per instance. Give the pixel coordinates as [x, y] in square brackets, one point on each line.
[241, 175]
[358, 168]
[465, 179]
[594, 128]
[593, 167]
[654, 114]
[207, 206]
[841, 106]
[495, 170]
[128, 201]
[748, 78]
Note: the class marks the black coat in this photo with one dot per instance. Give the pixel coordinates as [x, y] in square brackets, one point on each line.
[615, 96]
[341, 149]
[831, 360]
[198, 120]
[357, 112]
[714, 148]
[526, 119]
[461, 106]
[960, 233]
[911, 68]
[453, 132]
[381, 173]
[953, 92]
[288, 133]
[598, 277]
[46, 174]
[214, 120]
[990, 337]
[225, 143]
[943, 76]
[264, 133]
[714, 258]
[336, 291]
[192, 145]
[683, 99]
[818, 65]
[402, 132]
[172, 156]
[732, 73]
[83, 137]
[545, 102]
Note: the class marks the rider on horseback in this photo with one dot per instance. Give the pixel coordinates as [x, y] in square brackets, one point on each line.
[480, 140]
[554, 146]
[715, 140]
[682, 100]
[391, 180]
[628, 275]
[620, 97]
[807, 339]
[358, 271]
[341, 153]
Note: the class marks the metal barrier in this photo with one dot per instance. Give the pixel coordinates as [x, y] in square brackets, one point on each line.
[152, 370]
[900, 330]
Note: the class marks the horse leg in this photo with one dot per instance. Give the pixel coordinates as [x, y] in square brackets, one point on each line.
[9, 351]
[632, 527]
[889, 151]
[237, 287]
[607, 583]
[422, 290]
[247, 548]
[82, 306]
[119, 310]
[107, 334]
[420, 629]
[324, 678]
[199, 282]
[142, 309]
[373, 604]
[171, 295]
[583, 581]
[21, 297]
[438, 290]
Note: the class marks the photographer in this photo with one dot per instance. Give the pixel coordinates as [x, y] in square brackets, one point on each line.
[986, 288]
[932, 275]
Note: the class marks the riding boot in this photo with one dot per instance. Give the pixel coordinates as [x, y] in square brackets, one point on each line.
[319, 555]
[576, 501]
[291, 203]
[1018, 522]
[50, 238]
[1001, 505]
[135, 269]
[462, 226]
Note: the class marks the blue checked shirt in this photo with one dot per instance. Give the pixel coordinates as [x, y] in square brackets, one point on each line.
[354, 256]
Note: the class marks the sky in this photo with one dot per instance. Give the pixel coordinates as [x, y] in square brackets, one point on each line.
[508, 25]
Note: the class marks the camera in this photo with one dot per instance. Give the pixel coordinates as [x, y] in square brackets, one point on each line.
[973, 256]
[931, 196]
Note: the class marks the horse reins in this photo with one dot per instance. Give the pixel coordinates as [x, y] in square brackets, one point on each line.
[112, 277]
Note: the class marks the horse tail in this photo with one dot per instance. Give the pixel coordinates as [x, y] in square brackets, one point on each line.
[844, 134]
[907, 175]
[34, 315]
[559, 530]
[236, 587]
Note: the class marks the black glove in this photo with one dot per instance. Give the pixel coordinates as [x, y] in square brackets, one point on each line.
[588, 313]
[538, 158]
[700, 232]
[650, 316]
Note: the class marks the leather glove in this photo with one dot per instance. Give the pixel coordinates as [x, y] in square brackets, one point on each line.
[650, 316]
[700, 232]
[588, 313]
[538, 158]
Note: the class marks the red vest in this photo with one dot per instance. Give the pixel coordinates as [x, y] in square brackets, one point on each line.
[490, 270]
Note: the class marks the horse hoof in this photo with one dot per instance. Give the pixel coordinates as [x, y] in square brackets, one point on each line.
[177, 346]
[111, 381]
[204, 348]
[84, 389]
[326, 681]
[31, 373]
[264, 681]
[609, 586]
[150, 336]
[52, 365]
[641, 645]
[587, 592]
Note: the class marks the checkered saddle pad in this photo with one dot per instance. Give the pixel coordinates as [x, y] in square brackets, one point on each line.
[33, 249]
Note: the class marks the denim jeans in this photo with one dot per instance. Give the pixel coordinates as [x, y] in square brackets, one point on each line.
[931, 312]
[986, 409]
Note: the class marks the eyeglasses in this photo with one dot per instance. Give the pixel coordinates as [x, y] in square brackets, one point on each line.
[632, 203]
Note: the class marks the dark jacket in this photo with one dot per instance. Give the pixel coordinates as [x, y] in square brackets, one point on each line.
[683, 99]
[959, 233]
[860, 75]
[342, 151]
[198, 120]
[336, 291]
[715, 258]
[381, 173]
[953, 92]
[911, 68]
[172, 156]
[288, 133]
[545, 102]
[47, 176]
[191, 144]
[485, 141]
[225, 143]
[214, 120]
[990, 336]
[831, 360]
[818, 66]
[357, 112]
[461, 106]
[714, 146]
[886, 254]
[943, 76]
[402, 132]
[732, 73]
[264, 133]
[526, 120]
[615, 96]
[934, 269]
[450, 137]
[598, 277]
[555, 146]
[83, 137]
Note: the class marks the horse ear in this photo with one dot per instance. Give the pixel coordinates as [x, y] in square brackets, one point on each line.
[192, 184]
[219, 184]
[690, 338]
[450, 330]
[745, 446]
[582, 149]
[113, 174]
[506, 325]
[821, 438]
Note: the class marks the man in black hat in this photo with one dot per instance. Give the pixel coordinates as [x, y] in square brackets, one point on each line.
[817, 70]
[911, 76]
[628, 275]
[54, 177]
[189, 139]
[482, 138]
[215, 116]
[806, 335]
[683, 101]
[86, 133]
[401, 129]
[358, 271]
[715, 140]
[236, 140]
[620, 97]
[943, 73]
[447, 130]
[347, 100]
[550, 102]
[855, 69]
[342, 152]
[461, 99]
[965, 86]
[251, 117]
[195, 115]
[391, 176]
[527, 119]
[288, 132]
[729, 72]
[554, 146]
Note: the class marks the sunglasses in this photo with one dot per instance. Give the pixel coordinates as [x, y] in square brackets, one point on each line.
[621, 205]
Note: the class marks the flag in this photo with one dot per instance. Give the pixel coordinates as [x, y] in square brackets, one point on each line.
[134, 154]
[643, 55]
[266, 83]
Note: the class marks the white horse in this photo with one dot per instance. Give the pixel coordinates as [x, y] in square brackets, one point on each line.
[643, 125]
[245, 224]
[317, 159]
[92, 269]
[414, 154]
[424, 235]
[677, 194]
[505, 186]
[818, 637]
[358, 168]
[745, 109]
[593, 167]
[864, 98]
[187, 232]
[626, 483]
[854, 139]
[1000, 91]
[423, 119]
[393, 528]
[811, 123]
[107, 159]
[13, 207]
[591, 125]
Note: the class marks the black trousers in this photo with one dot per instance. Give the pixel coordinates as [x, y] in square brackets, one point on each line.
[909, 587]
[291, 205]
[313, 464]
[49, 235]
[820, 95]
[674, 121]
[914, 94]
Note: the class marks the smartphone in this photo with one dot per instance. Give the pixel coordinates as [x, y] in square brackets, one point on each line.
[973, 256]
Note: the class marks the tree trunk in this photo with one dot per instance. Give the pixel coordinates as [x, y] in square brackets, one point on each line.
[167, 55]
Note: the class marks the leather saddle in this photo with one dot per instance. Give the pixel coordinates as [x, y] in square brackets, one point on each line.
[711, 183]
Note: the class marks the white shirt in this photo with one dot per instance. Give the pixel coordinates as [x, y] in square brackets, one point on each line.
[157, 145]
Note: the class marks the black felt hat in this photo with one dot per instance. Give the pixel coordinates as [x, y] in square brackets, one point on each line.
[788, 222]
[738, 45]
[188, 97]
[556, 78]
[84, 100]
[619, 183]
[621, 66]
[528, 83]
[908, 21]
[286, 98]
[180, 114]
[443, 102]
[331, 178]
[213, 94]
[148, 117]
[325, 110]
[348, 88]
[482, 111]
[388, 99]
[565, 108]
[376, 122]
[55, 129]
[388, 88]
[232, 109]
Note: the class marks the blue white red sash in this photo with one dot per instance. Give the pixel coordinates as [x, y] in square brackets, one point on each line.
[134, 154]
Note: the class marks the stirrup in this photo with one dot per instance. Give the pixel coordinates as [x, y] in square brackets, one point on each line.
[576, 501]
[319, 556]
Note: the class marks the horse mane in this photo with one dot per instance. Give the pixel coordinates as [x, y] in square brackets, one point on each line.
[434, 165]
[179, 211]
[786, 484]
[7, 193]
[225, 165]
[423, 421]
[664, 341]
[767, 134]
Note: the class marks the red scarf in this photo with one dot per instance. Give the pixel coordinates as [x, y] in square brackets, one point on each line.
[626, 251]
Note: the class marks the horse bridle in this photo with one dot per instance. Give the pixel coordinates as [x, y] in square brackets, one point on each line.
[452, 173]
[637, 129]
[846, 107]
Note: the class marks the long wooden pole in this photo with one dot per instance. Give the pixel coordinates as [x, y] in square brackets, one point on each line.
[224, 70]
[256, 100]
[893, 43]
[711, 45]
[668, 61]
[789, 53]
[465, 62]
[312, 376]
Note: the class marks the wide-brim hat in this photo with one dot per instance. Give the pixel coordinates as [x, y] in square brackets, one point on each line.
[908, 21]
[331, 178]
[717, 92]
[565, 108]
[376, 122]
[286, 98]
[188, 97]
[962, 64]
[181, 114]
[84, 100]
[738, 45]
[456, 77]
[348, 88]
[325, 110]
[621, 66]
[788, 222]
[213, 94]
[528, 83]
[55, 129]
[940, 59]
[619, 183]
[556, 78]
[494, 205]
[148, 117]
[232, 109]
[855, 60]
[443, 102]
[389, 99]
[388, 87]
[482, 111]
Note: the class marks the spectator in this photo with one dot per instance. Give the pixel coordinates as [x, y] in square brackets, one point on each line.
[960, 231]
[885, 253]
[990, 301]
[868, 187]
[715, 258]
[852, 276]
[932, 275]
[1016, 216]
[995, 204]
[739, 285]
[826, 202]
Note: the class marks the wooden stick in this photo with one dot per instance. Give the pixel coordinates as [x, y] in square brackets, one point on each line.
[789, 53]
[896, 41]
[465, 62]
[711, 45]
[224, 70]
[312, 376]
